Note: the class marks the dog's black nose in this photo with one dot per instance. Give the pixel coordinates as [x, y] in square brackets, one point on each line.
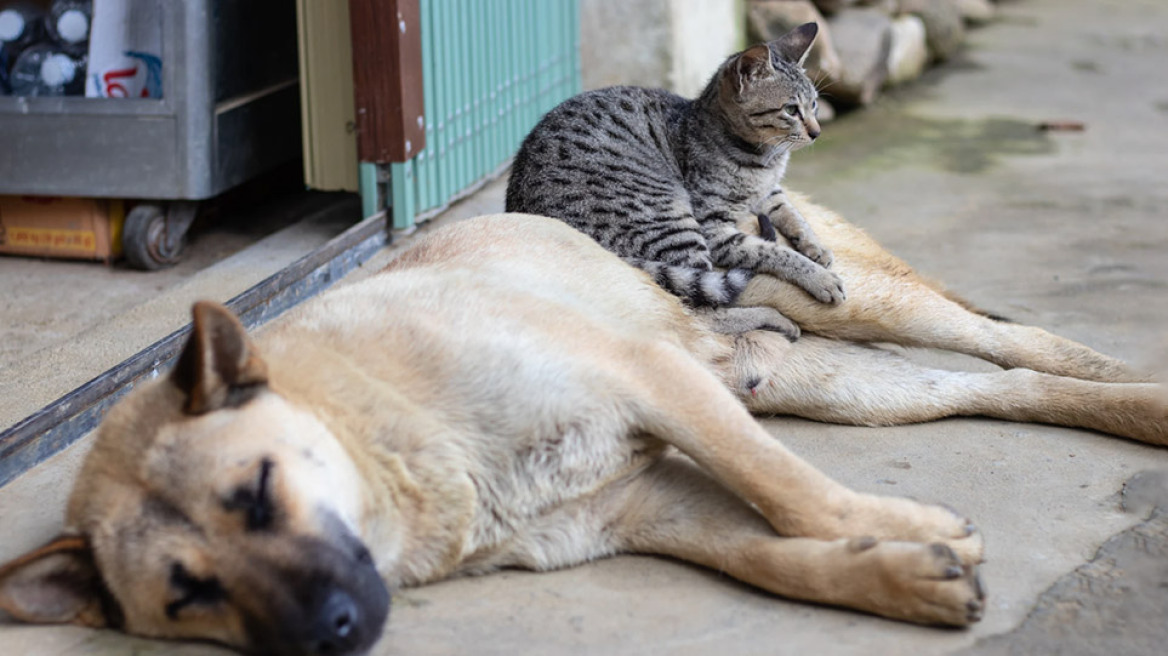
[336, 630]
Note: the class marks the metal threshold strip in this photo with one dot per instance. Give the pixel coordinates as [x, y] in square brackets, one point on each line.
[61, 423]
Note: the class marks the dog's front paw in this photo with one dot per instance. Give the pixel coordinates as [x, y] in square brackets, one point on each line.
[900, 519]
[922, 583]
[905, 519]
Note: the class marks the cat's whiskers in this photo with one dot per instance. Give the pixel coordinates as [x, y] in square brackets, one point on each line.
[821, 88]
[771, 141]
[818, 83]
[771, 148]
[778, 145]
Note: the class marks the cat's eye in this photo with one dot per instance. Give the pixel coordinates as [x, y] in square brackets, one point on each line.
[814, 106]
[791, 109]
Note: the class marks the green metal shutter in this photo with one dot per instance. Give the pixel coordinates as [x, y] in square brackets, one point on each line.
[491, 69]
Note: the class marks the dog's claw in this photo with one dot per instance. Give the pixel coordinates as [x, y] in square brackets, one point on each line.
[978, 585]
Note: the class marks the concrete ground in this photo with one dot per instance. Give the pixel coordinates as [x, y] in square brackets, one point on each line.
[1066, 230]
[62, 323]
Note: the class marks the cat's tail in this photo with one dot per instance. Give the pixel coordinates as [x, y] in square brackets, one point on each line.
[697, 287]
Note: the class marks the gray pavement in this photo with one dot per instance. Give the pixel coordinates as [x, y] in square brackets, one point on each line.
[1066, 230]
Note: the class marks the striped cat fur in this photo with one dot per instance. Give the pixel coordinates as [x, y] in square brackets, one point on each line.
[665, 182]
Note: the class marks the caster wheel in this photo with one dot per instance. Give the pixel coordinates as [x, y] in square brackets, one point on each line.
[145, 239]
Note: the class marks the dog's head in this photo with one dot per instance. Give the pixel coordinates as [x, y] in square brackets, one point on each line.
[211, 508]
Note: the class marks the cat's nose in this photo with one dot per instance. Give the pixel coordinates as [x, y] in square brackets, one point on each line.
[813, 133]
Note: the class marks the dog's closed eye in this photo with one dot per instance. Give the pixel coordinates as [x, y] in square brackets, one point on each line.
[255, 500]
[192, 590]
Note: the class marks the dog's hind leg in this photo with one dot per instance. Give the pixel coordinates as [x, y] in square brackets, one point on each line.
[906, 312]
[673, 398]
[889, 302]
[848, 383]
[673, 509]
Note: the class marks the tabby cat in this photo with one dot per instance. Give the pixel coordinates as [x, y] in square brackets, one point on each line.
[664, 182]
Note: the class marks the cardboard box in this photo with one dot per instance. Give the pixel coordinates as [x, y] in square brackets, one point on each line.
[75, 228]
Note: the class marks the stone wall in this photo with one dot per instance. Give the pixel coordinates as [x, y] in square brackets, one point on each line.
[867, 45]
[864, 46]
[675, 44]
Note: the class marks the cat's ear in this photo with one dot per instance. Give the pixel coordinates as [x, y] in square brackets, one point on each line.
[751, 65]
[794, 46]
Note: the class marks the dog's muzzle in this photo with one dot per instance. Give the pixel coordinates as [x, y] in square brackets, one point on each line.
[330, 602]
[340, 627]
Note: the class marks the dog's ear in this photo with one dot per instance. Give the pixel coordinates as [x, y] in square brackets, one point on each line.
[794, 46]
[219, 367]
[56, 584]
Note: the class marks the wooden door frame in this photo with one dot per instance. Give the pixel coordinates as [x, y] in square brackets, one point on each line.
[387, 79]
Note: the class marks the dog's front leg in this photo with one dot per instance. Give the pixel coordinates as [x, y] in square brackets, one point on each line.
[685, 405]
[674, 509]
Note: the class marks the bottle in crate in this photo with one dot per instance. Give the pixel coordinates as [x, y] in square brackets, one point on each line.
[21, 25]
[68, 23]
[45, 70]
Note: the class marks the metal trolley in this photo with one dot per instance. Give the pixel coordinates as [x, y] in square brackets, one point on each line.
[230, 111]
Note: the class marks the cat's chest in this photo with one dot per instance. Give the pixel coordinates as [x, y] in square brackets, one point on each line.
[751, 179]
[745, 188]
[761, 180]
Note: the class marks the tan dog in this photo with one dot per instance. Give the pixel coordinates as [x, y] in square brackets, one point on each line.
[506, 393]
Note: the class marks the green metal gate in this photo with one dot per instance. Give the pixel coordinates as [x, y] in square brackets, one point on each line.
[491, 69]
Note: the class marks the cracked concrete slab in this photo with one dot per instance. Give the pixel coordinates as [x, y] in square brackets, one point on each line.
[1115, 604]
[1063, 230]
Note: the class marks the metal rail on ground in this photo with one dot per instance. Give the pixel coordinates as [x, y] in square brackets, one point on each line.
[60, 424]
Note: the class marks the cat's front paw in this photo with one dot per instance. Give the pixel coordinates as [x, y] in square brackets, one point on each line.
[739, 320]
[820, 255]
[824, 286]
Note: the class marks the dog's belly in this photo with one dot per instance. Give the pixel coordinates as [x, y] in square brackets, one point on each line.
[552, 433]
[548, 510]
